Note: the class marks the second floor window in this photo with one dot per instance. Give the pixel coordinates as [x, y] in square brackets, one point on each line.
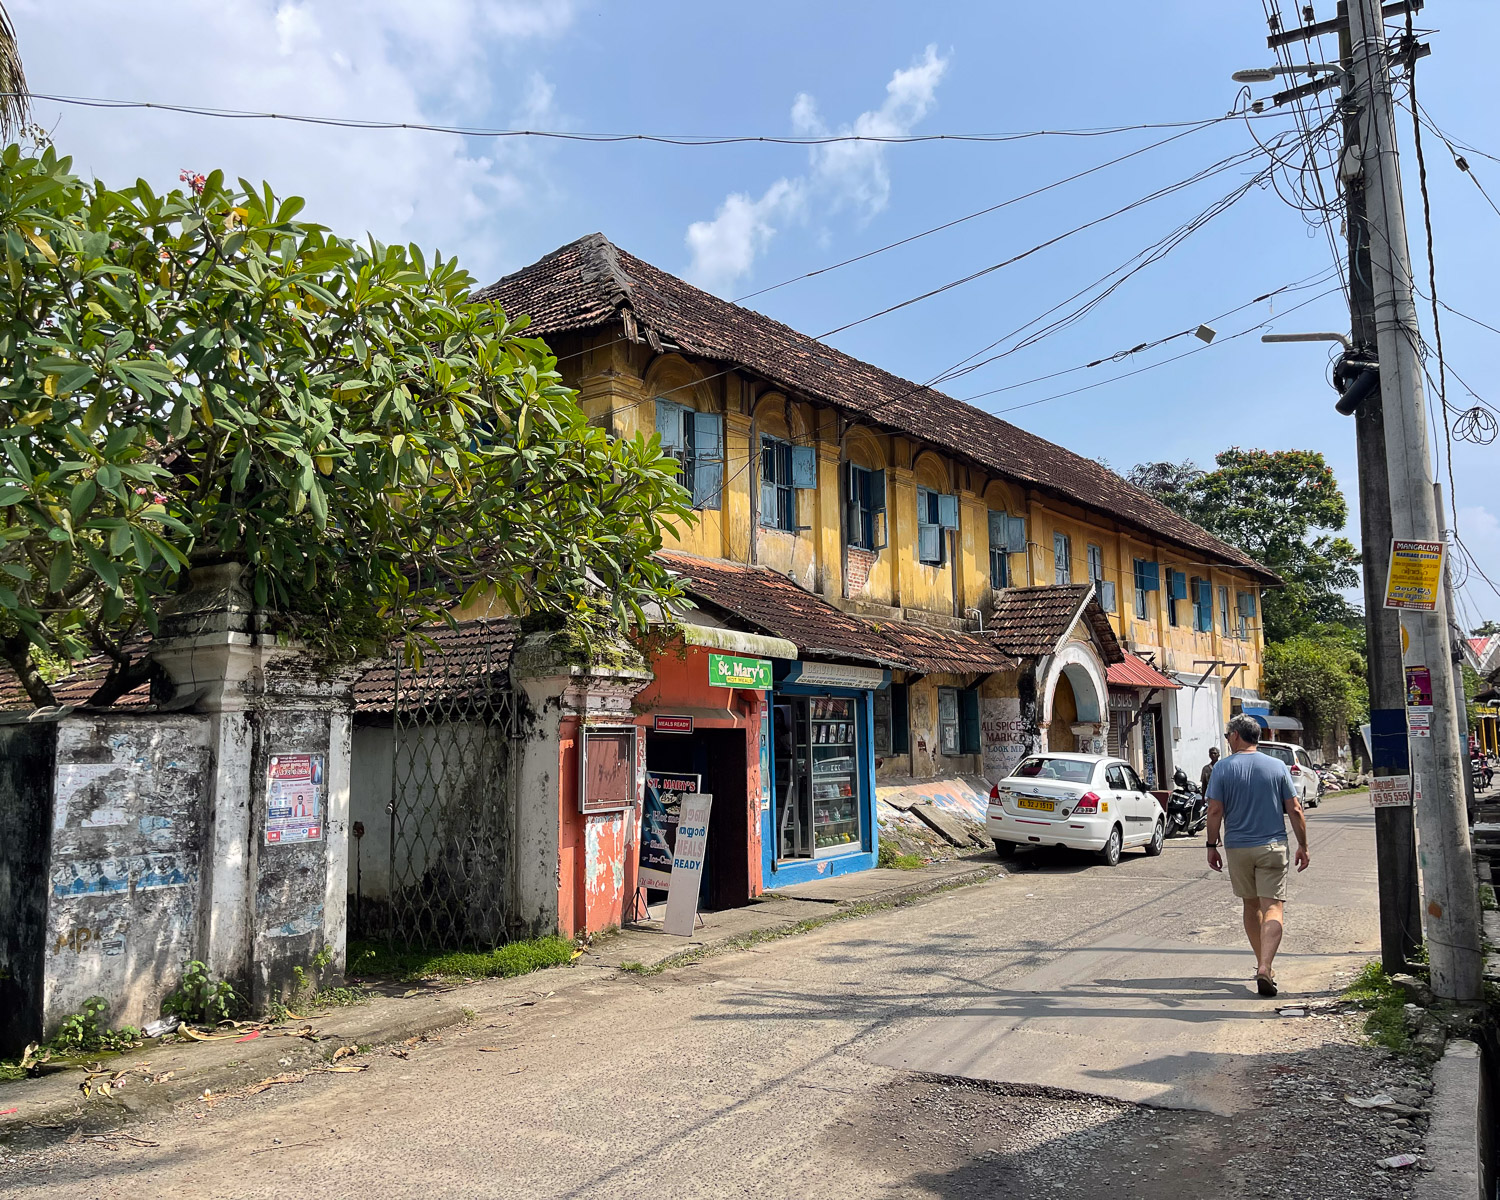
[936, 513]
[696, 440]
[1203, 606]
[864, 508]
[1062, 558]
[1147, 579]
[1103, 588]
[784, 471]
[1244, 609]
[1007, 537]
[1177, 590]
[1224, 611]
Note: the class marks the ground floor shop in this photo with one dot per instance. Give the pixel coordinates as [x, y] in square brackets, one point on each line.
[822, 820]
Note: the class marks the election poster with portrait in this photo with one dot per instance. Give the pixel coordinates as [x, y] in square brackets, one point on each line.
[294, 798]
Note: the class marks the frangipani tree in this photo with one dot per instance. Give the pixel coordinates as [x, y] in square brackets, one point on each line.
[200, 376]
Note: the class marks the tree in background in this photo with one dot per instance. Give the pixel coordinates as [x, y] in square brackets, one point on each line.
[199, 377]
[1282, 508]
[1163, 479]
[1319, 675]
[1488, 629]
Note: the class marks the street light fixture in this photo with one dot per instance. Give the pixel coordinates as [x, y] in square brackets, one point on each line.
[1268, 74]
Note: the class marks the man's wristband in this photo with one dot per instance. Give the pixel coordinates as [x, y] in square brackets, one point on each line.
[1213, 845]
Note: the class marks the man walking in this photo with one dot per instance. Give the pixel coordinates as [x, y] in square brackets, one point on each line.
[1249, 795]
[1213, 757]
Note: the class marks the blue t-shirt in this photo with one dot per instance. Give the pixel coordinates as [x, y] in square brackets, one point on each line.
[1252, 789]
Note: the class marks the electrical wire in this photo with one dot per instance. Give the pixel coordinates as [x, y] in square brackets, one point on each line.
[1225, 164]
[1121, 355]
[563, 135]
[983, 212]
[1437, 328]
[1219, 341]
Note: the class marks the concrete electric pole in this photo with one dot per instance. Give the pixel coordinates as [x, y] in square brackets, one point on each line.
[1446, 858]
[1395, 833]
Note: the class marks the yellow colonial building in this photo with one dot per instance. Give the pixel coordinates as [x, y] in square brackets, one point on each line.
[973, 591]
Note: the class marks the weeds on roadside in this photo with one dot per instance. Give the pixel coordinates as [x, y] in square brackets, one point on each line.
[199, 1000]
[503, 962]
[1385, 1025]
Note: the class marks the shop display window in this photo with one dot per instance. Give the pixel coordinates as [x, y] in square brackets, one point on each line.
[817, 780]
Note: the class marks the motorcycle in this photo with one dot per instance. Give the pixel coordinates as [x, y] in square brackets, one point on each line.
[1187, 808]
[1483, 772]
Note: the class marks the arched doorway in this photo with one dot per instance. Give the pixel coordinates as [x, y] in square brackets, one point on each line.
[1060, 734]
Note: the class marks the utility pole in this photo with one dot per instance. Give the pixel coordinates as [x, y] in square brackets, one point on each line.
[1356, 377]
[1395, 833]
[1446, 858]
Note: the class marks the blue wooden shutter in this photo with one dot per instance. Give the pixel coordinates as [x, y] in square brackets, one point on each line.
[669, 425]
[948, 511]
[1147, 575]
[998, 531]
[1246, 603]
[878, 523]
[1015, 537]
[968, 721]
[1107, 594]
[1178, 585]
[804, 467]
[708, 459]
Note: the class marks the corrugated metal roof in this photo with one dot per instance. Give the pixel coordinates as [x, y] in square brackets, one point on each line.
[1136, 672]
[591, 282]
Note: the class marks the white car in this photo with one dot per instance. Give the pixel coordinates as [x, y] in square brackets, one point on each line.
[1305, 776]
[1082, 801]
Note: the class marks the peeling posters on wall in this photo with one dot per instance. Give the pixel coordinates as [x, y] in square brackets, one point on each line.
[1003, 735]
[294, 798]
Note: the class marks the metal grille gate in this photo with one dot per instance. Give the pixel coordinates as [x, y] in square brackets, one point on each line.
[452, 791]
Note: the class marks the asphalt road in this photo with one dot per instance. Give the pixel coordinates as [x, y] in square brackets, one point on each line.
[907, 1053]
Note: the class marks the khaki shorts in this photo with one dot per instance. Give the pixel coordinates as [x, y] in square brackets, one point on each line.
[1258, 871]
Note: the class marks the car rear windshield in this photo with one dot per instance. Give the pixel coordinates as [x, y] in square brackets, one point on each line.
[1069, 770]
[1281, 752]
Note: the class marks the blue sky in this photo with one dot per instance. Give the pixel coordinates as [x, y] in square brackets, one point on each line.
[741, 218]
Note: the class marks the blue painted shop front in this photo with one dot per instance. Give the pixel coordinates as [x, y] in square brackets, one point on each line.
[820, 821]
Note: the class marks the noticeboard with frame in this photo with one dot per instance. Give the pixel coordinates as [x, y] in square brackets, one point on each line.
[607, 768]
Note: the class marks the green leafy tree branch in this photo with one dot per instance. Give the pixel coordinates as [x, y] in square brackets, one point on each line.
[200, 377]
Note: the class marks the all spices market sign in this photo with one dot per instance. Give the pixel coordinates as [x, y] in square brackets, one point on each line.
[732, 671]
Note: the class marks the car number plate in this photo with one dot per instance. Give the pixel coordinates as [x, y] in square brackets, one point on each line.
[1039, 805]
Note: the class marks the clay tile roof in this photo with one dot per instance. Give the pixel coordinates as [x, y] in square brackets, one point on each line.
[592, 282]
[944, 651]
[467, 660]
[74, 689]
[779, 606]
[1031, 621]
[1137, 673]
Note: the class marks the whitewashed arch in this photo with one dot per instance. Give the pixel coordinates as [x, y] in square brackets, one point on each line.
[1085, 671]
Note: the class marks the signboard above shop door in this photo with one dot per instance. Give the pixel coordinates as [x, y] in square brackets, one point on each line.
[732, 671]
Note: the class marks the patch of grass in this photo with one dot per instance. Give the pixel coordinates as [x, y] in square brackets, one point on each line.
[635, 968]
[504, 962]
[1385, 1025]
[10, 1072]
[890, 857]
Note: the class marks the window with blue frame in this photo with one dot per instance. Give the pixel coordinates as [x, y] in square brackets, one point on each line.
[1147, 580]
[696, 440]
[1177, 590]
[785, 470]
[864, 508]
[1007, 537]
[1062, 559]
[937, 513]
[1203, 606]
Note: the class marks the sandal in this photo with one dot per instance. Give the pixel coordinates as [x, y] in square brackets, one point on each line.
[1264, 984]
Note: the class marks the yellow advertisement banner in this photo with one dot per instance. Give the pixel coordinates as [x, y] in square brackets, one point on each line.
[1415, 575]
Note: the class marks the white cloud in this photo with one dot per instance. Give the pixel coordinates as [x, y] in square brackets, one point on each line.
[841, 175]
[440, 61]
